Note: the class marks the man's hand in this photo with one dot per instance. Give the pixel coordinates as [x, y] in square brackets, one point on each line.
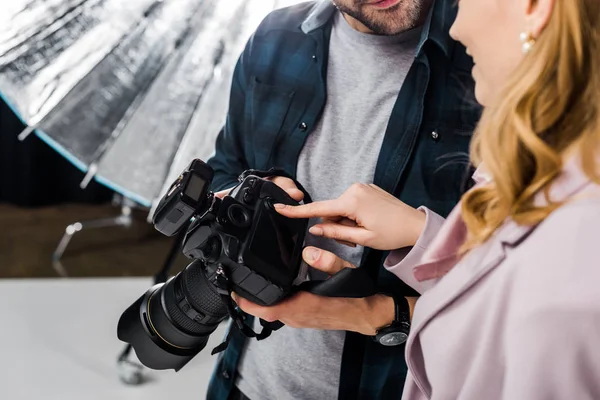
[285, 183]
[307, 310]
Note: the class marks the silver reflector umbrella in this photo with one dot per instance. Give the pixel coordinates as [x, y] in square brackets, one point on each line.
[128, 91]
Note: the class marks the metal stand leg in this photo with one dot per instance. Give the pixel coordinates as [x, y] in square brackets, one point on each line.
[124, 220]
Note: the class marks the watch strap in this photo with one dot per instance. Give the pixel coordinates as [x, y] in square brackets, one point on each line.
[399, 326]
[401, 309]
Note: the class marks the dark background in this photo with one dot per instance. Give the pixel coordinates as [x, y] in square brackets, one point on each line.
[40, 196]
[33, 174]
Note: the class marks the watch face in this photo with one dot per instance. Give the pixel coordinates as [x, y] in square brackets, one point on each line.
[393, 338]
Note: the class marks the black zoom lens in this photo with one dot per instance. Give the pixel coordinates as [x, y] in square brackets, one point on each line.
[171, 322]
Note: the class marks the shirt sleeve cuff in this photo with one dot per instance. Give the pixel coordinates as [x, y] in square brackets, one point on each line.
[402, 261]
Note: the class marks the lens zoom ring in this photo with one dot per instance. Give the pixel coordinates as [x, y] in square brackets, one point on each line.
[202, 294]
[179, 318]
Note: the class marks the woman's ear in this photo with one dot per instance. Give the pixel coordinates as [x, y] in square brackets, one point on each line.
[537, 16]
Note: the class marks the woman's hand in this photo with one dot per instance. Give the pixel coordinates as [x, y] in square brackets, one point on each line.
[365, 215]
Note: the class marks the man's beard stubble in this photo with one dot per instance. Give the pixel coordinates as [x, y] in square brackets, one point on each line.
[392, 21]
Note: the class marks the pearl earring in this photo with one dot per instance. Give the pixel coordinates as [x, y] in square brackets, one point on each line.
[528, 42]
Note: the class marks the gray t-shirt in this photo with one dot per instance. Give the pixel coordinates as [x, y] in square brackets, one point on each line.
[364, 75]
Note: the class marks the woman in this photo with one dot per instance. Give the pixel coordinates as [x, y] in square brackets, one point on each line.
[510, 305]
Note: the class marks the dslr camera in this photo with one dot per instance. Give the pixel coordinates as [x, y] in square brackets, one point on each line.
[237, 243]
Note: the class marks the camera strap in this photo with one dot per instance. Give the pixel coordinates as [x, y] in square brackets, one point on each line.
[224, 289]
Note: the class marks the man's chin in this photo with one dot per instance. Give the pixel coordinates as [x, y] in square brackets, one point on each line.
[387, 30]
[380, 23]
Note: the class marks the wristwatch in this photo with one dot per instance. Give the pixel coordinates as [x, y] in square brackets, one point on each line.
[397, 332]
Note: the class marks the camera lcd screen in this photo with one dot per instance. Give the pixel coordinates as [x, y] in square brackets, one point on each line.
[195, 187]
[276, 244]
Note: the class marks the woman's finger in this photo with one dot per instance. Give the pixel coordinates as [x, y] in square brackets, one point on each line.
[345, 222]
[327, 208]
[339, 220]
[352, 234]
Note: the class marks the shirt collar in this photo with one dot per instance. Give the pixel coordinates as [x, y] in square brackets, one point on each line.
[320, 15]
[437, 26]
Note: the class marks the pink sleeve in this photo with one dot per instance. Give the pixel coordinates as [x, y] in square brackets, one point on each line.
[401, 262]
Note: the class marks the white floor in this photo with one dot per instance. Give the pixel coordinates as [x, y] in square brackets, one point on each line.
[58, 341]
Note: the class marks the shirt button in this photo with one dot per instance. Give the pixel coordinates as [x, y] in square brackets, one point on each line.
[303, 127]
[435, 136]
[225, 374]
[314, 57]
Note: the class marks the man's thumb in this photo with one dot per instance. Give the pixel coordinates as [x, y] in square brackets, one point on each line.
[324, 260]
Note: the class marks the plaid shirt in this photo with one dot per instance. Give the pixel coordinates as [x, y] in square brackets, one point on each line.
[278, 94]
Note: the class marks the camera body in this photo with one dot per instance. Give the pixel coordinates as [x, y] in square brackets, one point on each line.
[260, 249]
[242, 233]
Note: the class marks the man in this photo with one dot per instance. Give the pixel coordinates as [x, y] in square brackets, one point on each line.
[336, 93]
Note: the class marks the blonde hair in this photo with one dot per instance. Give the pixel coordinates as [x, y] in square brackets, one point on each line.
[549, 108]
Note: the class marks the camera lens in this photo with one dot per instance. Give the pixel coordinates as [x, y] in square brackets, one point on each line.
[238, 216]
[171, 323]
